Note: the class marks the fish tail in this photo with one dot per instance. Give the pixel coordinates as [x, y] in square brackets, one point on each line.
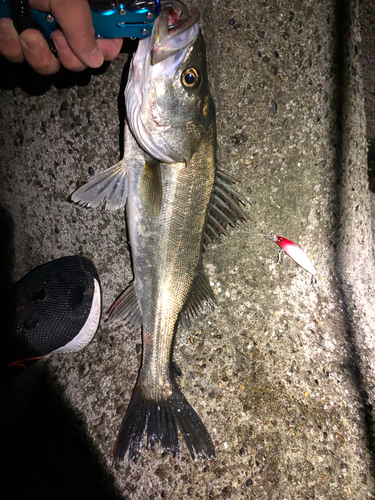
[161, 418]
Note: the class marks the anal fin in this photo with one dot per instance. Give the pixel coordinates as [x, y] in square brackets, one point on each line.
[108, 187]
[201, 293]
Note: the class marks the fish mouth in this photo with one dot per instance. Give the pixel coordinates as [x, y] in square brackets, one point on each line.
[173, 31]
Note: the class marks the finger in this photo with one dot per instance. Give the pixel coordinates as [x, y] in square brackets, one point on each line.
[37, 53]
[10, 46]
[110, 48]
[75, 20]
[67, 57]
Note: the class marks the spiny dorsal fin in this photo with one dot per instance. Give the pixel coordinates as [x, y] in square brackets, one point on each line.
[201, 292]
[150, 187]
[225, 209]
[126, 308]
[108, 187]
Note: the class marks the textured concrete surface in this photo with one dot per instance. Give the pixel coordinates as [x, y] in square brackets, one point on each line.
[282, 372]
[367, 23]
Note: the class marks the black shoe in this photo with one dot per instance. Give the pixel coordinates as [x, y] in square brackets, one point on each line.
[54, 308]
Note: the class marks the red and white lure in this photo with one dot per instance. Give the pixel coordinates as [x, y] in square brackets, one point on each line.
[295, 252]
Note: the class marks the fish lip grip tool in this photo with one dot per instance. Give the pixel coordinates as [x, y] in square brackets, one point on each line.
[111, 18]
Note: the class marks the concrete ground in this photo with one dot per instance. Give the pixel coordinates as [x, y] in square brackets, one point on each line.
[282, 372]
[367, 23]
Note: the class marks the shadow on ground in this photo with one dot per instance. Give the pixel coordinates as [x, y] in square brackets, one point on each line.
[46, 453]
[21, 75]
[341, 106]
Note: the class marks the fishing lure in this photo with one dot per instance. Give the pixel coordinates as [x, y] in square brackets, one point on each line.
[295, 252]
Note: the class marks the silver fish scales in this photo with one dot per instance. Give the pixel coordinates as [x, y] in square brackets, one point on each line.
[177, 203]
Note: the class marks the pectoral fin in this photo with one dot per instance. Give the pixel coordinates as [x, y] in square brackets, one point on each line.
[150, 187]
[108, 187]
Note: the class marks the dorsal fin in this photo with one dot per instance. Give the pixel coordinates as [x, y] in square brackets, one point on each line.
[126, 308]
[201, 293]
[225, 208]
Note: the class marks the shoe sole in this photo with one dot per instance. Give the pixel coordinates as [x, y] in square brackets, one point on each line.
[89, 329]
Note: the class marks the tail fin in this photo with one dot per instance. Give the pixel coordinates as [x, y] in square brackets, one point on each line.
[162, 419]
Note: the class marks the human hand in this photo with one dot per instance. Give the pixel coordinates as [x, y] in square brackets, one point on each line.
[75, 42]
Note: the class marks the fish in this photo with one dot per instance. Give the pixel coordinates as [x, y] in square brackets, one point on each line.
[177, 202]
[295, 252]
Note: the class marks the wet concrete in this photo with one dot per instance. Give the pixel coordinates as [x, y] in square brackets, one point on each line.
[282, 372]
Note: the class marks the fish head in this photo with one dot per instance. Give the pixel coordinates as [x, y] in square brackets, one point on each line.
[167, 97]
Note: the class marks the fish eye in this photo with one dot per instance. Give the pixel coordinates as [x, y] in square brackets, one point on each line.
[190, 78]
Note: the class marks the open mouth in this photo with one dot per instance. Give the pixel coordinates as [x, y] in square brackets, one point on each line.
[178, 16]
[174, 30]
